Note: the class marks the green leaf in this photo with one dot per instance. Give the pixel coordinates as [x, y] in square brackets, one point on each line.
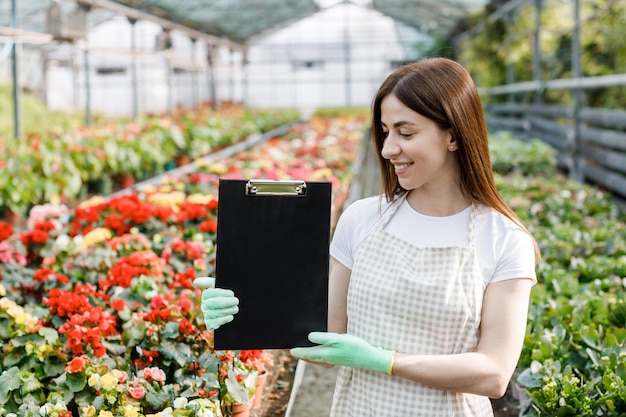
[49, 334]
[54, 367]
[236, 390]
[179, 352]
[76, 381]
[5, 332]
[134, 335]
[9, 381]
[115, 348]
[157, 399]
[15, 357]
[30, 384]
[171, 330]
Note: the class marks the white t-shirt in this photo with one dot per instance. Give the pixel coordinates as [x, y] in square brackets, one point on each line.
[503, 249]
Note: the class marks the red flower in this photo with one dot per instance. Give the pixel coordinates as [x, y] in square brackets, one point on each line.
[62, 279]
[228, 356]
[131, 266]
[6, 231]
[116, 223]
[32, 237]
[99, 350]
[158, 302]
[118, 304]
[92, 336]
[185, 326]
[76, 365]
[191, 211]
[212, 205]
[184, 279]
[206, 394]
[250, 355]
[45, 226]
[42, 274]
[208, 226]
[185, 304]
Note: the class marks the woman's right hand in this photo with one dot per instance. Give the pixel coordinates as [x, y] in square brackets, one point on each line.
[218, 305]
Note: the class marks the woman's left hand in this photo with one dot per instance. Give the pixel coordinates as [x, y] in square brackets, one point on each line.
[346, 350]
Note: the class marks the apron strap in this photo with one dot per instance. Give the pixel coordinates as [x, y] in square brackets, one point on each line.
[470, 232]
[391, 210]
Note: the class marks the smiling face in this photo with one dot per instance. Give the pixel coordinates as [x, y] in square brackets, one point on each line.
[421, 153]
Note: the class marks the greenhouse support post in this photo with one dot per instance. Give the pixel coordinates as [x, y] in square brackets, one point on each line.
[170, 87]
[510, 65]
[210, 75]
[194, 87]
[347, 58]
[133, 65]
[577, 172]
[88, 117]
[537, 56]
[15, 55]
[244, 71]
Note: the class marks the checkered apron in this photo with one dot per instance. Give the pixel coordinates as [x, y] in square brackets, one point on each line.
[424, 301]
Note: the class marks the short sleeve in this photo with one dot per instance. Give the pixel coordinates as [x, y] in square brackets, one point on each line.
[516, 258]
[341, 245]
[354, 225]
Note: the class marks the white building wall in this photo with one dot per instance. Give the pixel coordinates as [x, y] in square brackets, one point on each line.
[337, 57]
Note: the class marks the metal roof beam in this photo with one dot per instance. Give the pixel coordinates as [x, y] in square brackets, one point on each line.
[23, 36]
[164, 23]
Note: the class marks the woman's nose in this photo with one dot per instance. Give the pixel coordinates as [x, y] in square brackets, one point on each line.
[390, 147]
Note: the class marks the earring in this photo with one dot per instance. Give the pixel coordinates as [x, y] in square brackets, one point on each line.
[451, 147]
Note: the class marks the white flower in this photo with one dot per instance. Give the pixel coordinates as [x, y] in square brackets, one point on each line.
[180, 402]
[168, 412]
[535, 367]
[62, 242]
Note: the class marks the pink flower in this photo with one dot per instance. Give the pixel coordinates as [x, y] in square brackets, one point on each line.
[137, 392]
[55, 213]
[10, 255]
[154, 374]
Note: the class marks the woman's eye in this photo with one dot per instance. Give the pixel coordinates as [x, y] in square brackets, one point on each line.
[405, 134]
[385, 133]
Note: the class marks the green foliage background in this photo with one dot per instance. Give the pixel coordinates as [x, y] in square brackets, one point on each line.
[36, 118]
[496, 43]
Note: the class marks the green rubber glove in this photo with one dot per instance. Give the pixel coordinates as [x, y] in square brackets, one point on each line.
[218, 305]
[346, 350]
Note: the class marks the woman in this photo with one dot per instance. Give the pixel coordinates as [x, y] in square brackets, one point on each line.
[429, 287]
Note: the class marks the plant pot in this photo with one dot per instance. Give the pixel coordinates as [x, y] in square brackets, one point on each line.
[182, 160]
[236, 410]
[170, 165]
[124, 181]
[261, 381]
[14, 218]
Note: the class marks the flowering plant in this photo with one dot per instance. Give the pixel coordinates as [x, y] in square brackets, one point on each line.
[98, 315]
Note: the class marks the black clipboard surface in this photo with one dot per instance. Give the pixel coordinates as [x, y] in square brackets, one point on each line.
[272, 251]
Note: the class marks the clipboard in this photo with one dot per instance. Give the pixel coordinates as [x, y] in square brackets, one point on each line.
[273, 251]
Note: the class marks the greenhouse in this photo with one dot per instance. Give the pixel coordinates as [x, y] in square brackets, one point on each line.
[232, 208]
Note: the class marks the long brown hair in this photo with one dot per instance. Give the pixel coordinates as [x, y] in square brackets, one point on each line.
[443, 91]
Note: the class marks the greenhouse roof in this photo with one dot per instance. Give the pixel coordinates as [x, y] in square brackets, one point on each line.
[237, 22]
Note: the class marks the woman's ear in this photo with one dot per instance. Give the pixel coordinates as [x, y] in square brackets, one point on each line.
[452, 144]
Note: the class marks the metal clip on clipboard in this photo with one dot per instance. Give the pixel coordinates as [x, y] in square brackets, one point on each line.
[293, 188]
